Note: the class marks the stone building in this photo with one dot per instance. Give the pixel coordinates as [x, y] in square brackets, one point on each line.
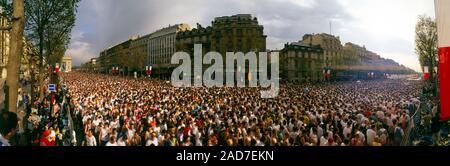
[331, 45]
[5, 51]
[302, 63]
[237, 33]
[66, 63]
[154, 49]
[4, 47]
[115, 56]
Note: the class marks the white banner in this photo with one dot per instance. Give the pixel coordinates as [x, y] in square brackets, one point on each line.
[425, 69]
[443, 21]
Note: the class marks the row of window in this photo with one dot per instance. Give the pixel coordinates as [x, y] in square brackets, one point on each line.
[304, 55]
[159, 49]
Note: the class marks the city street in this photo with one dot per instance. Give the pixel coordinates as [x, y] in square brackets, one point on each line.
[137, 112]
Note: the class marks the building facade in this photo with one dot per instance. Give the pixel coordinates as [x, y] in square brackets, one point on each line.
[133, 55]
[4, 47]
[359, 62]
[356, 55]
[302, 63]
[237, 33]
[331, 45]
[115, 56]
[66, 64]
[5, 51]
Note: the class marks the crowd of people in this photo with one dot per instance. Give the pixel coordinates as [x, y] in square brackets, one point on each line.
[119, 111]
[43, 122]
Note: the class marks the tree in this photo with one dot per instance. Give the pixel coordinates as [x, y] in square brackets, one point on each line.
[48, 26]
[426, 43]
[16, 51]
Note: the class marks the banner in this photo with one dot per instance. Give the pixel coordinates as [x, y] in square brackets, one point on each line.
[426, 74]
[150, 70]
[443, 27]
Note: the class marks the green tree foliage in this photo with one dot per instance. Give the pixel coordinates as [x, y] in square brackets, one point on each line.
[426, 42]
[48, 26]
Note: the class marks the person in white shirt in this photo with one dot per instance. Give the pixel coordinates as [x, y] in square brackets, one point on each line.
[323, 141]
[319, 130]
[153, 141]
[347, 130]
[90, 139]
[114, 124]
[103, 134]
[371, 134]
[121, 141]
[112, 142]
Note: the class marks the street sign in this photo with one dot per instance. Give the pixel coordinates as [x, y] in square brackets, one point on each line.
[51, 87]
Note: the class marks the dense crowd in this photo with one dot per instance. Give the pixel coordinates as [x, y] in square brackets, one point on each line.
[43, 122]
[119, 111]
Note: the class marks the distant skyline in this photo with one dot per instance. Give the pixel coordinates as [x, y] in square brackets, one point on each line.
[383, 26]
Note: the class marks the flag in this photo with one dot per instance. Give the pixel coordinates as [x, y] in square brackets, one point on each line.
[150, 70]
[443, 27]
[426, 74]
[57, 68]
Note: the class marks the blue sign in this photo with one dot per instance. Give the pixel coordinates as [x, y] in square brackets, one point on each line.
[51, 87]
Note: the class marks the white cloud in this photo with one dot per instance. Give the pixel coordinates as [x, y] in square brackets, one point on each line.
[404, 59]
[386, 27]
[80, 51]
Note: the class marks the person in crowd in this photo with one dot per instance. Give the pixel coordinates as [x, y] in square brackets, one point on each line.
[112, 141]
[90, 139]
[112, 110]
[8, 127]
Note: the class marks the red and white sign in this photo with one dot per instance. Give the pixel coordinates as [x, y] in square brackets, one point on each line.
[150, 70]
[426, 73]
[57, 68]
[443, 27]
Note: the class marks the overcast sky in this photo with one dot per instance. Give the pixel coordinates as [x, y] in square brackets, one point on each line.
[383, 26]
